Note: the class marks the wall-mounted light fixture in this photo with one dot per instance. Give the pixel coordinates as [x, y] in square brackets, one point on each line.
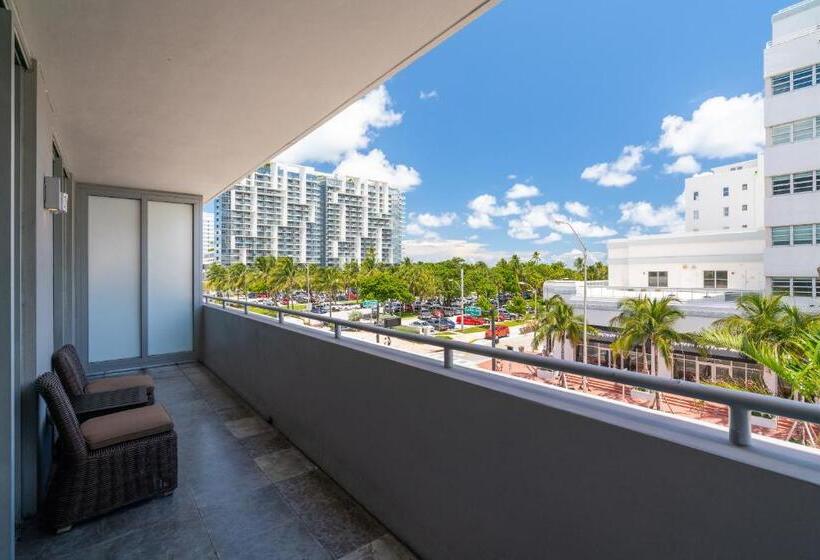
[54, 199]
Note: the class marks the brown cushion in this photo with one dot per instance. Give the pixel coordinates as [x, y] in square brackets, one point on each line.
[117, 382]
[127, 425]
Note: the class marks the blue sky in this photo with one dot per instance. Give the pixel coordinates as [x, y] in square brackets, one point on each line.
[540, 93]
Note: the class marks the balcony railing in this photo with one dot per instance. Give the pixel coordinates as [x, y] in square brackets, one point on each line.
[740, 403]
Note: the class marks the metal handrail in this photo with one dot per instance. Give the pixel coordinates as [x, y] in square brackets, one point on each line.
[740, 403]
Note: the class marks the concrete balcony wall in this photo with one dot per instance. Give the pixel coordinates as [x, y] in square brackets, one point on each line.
[464, 464]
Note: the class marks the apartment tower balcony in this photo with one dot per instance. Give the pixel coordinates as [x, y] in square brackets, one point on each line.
[296, 441]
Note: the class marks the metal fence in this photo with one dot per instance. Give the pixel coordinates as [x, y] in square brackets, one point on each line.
[740, 403]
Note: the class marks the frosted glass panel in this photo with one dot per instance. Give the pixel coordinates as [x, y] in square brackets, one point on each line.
[113, 278]
[170, 277]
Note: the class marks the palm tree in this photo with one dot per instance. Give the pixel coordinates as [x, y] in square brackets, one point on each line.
[237, 278]
[557, 323]
[286, 277]
[766, 318]
[649, 322]
[261, 274]
[350, 276]
[795, 360]
[216, 278]
[329, 280]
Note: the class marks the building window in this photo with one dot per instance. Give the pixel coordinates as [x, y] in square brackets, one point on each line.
[781, 235]
[745, 207]
[806, 181]
[803, 130]
[803, 287]
[803, 234]
[725, 210]
[696, 214]
[796, 131]
[782, 134]
[715, 279]
[781, 184]
[781, 83]
[725, 191]
[695, 195]
[796, 79]
[658, 279]
[802, 78]
[803, 182]
[781, 286]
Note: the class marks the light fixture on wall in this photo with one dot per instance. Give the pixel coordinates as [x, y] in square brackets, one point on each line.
[54, 199]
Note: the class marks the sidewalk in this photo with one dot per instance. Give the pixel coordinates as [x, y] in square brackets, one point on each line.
[703, 411]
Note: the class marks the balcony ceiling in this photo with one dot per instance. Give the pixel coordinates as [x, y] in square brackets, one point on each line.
[190, 95]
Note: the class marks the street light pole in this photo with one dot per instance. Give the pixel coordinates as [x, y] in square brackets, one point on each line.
[310, 299]
[462, 299]
[584, 252]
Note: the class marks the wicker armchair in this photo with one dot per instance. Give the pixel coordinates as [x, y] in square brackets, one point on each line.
[132, 461]
[67, 364]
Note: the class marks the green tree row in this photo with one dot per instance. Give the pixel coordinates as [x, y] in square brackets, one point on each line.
[414, 279]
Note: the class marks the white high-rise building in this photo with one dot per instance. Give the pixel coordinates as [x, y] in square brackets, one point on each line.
[208, 239]
[313, 217]
[792, 120]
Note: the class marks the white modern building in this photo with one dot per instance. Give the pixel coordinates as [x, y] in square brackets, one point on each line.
[791, 64]
[313, 217]
[208, 239]
[721, 247]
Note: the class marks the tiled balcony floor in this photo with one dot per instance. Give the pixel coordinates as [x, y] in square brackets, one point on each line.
[244, 492]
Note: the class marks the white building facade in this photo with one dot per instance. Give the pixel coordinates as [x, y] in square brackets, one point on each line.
[208, 239]
[721, 246]
[792, 152]
[313, 217]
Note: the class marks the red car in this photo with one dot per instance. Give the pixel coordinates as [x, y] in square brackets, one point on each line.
[469, 320]
[500, 330]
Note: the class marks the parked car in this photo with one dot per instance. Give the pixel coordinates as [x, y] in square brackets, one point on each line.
[500, 331]
[419, 324]
[469, 320]
[441, 324]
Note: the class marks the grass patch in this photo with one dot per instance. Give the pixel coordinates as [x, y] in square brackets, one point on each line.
[406, 329]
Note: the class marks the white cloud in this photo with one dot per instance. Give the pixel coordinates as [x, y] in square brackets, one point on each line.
[720, 127]
[520, 190]
[350, 130]
[425, 95]
[414, 229]
[547, 215]
[577, 208]
[434, 250]
[420, 225]
[642, 214]
[686, 165]
[485, 207]
[436, 220]
[512, 176]
[618, 173]
[551, 237]
[569, 257]
[374, 165]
